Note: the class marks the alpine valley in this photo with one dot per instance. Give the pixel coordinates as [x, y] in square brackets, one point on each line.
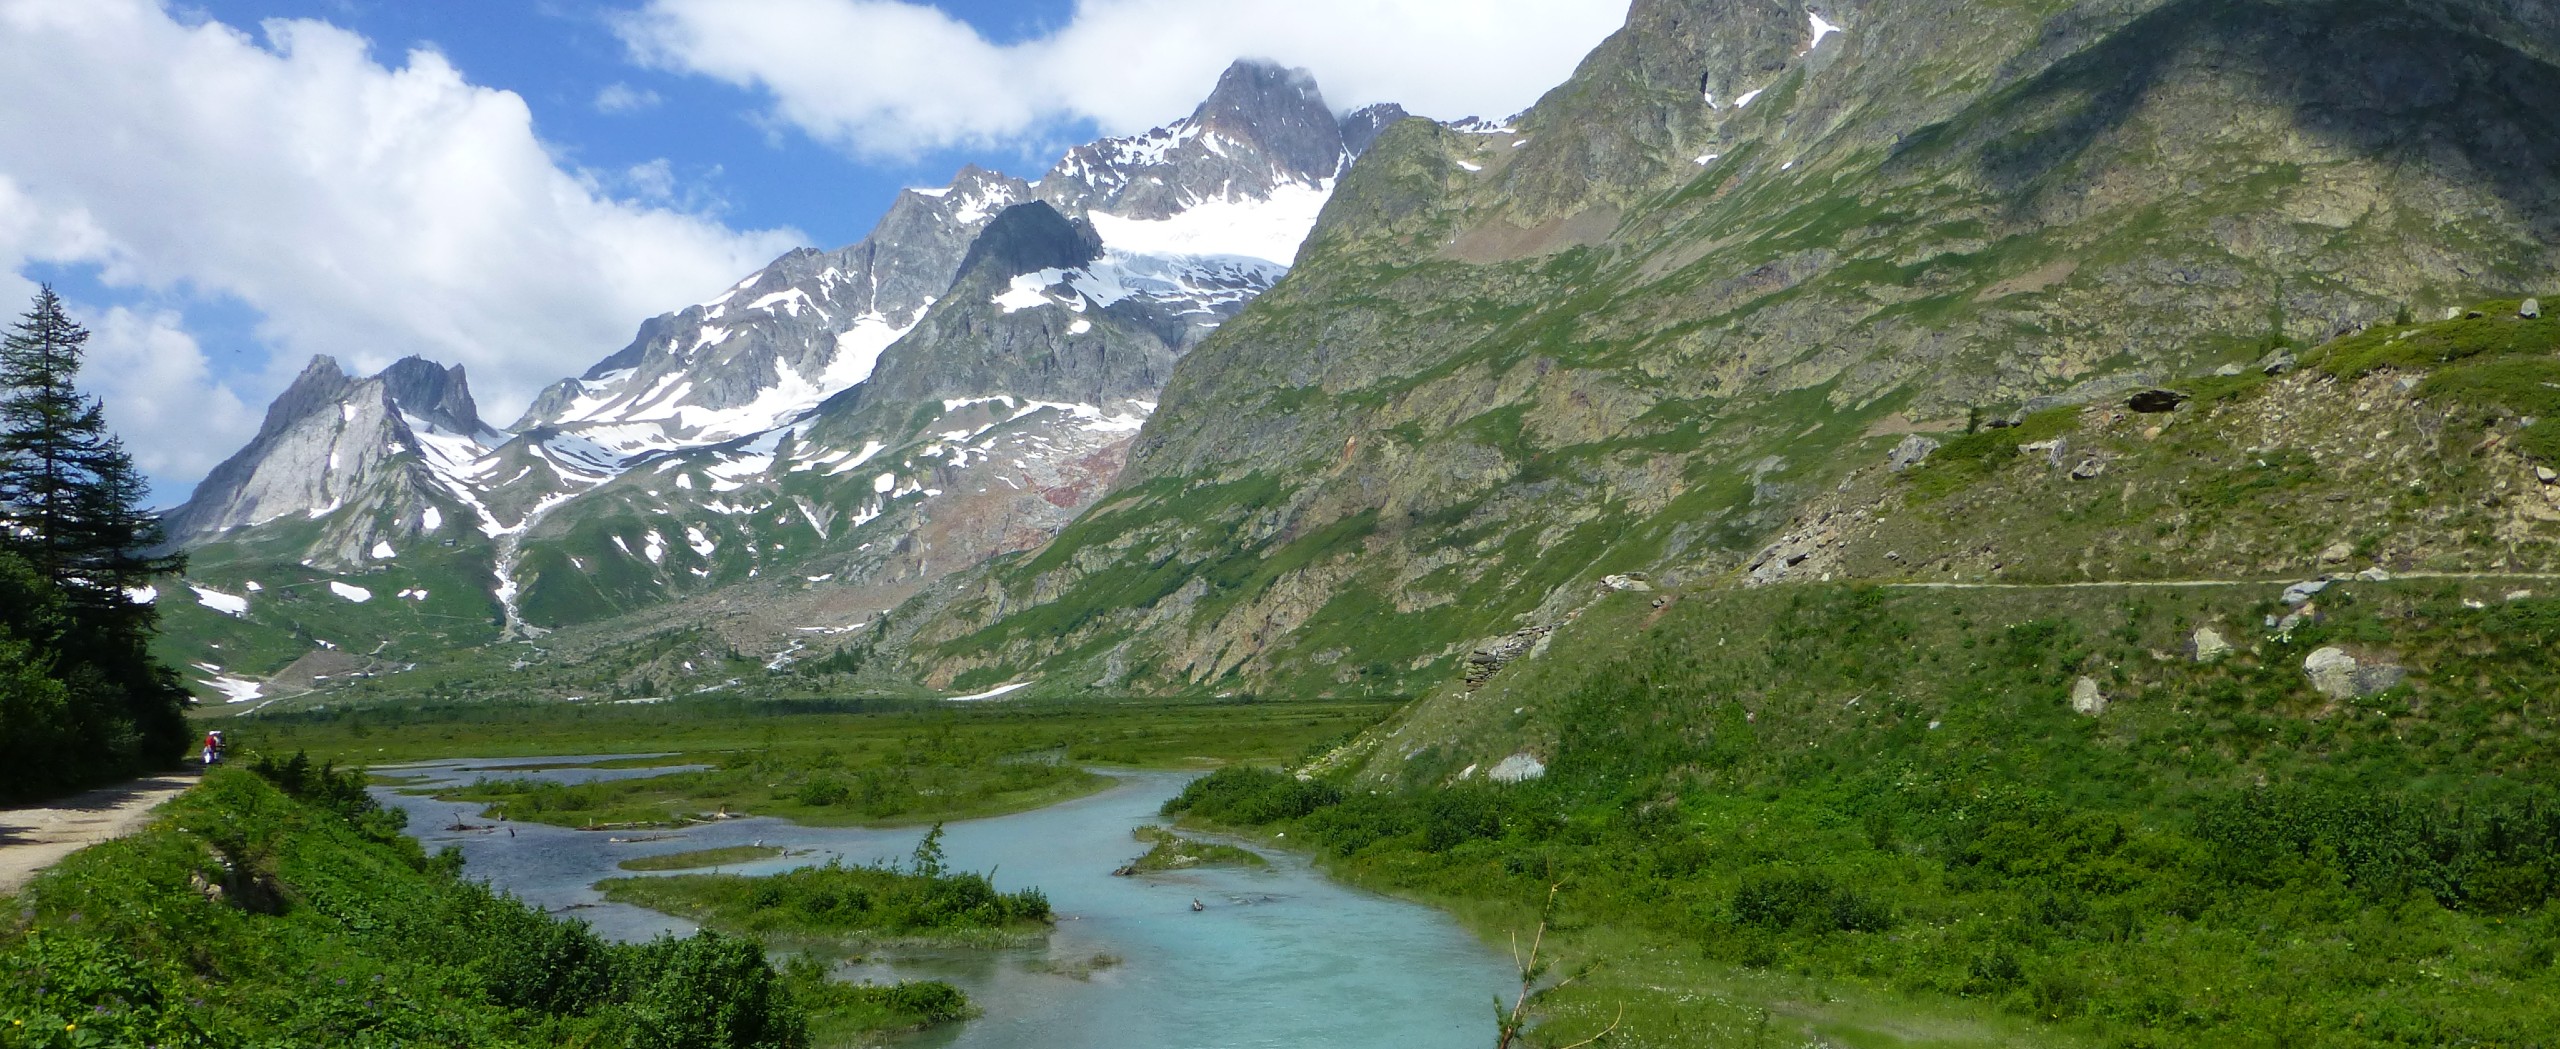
[1873, 522]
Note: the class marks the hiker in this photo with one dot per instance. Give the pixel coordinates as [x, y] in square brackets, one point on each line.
[212, 747]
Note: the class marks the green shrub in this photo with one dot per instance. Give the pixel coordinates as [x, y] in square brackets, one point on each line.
[1805, 902]
[708, 992]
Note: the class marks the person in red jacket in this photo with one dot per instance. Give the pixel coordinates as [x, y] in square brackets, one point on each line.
[212, 747]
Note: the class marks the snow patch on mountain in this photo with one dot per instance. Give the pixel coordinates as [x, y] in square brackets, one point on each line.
[227, 604]
[350, 592]
[235, 689]
[1268, 229]
[1822, 27]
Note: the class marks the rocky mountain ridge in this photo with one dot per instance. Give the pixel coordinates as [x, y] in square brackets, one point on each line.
[746, 439]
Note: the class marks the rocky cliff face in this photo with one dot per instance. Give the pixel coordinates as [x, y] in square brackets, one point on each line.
[1745, 249]
[368, 459]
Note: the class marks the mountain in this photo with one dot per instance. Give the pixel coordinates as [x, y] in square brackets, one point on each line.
[371, 461]
[832, 432]
[1745, 252]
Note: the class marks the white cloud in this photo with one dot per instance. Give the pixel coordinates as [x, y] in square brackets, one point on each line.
[623, 98]
[364, 211]
[161, 394]
[892, 78]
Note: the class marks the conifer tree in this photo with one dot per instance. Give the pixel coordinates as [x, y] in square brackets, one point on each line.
[69, 491]
[42, 421]
[73, 522]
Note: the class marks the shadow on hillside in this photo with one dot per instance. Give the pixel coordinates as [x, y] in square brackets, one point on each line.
[2400, 80]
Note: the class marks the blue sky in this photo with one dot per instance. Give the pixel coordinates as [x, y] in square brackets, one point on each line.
[224, 188]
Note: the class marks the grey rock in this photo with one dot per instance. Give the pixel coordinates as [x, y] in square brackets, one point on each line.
[2338, 675]
[2208, 645]
[2301, 593]
[2054, 451]
[2230, 371]
[2519, 595]
[2089, 469]
[2532, 310]
[1913, 451]
[2337, 553]
[2277, 363]
[1518, 768]
[2156, 401]
[2332, 672]
[1635, 583]
[2546, 475]
[2373, 679]
[2086, 699]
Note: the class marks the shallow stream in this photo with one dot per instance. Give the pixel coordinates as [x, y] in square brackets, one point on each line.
[1281, 958]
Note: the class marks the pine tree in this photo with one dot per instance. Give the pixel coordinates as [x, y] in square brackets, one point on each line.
[43, 422]
[68, 489]
[71, 513]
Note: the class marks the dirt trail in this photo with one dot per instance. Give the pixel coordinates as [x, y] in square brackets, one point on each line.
[36, 837]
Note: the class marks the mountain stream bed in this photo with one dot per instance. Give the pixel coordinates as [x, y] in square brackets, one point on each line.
[1280, 958]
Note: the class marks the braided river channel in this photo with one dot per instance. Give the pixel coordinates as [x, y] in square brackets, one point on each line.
[1280, 958]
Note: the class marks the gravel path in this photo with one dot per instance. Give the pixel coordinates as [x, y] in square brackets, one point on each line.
[36, 837]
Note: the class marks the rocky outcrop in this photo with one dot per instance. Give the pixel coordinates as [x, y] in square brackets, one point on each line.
[2087, 699]
[1913, 451]
[1488, 658]
[2339, 675]
[2207, 645]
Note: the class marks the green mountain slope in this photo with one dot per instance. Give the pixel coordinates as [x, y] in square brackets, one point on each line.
[1637, 330]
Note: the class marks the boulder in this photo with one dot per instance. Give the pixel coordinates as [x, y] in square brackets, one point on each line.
[2089, 469]
[2337, 553]
[2302, 593]
[2086, 699]
[1629, 582]
[2332, 672]
[2230, 371]
[2208, 645]
[2054, 451]
[2375, 574]
[2546, 475]
[2338, 675]
[2156, 401]
[2277, 363]
[1913, 451]
[2532, 310]
[1518, 768]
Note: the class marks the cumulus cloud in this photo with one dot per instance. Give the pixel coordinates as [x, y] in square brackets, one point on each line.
[883, 77]
[363, 210]
[161, 394]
